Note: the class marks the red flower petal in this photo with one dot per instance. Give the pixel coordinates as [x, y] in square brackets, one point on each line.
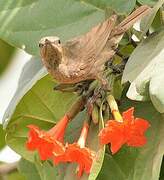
[33, 139]
[141, 125]
[47, 143]
[128, 115]
[130, 131]
[43, 142]
[136, 136]
[83, 156]
[113, 133]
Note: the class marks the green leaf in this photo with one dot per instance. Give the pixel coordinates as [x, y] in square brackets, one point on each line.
[29, 170]
[2, 137]
[142, 163]
[6, 52]
[148, 20]
[46, 170]
[38, 170]
[121, 6]
[23, 23]
[111, 170]
[148, 2]
[15, 176]
[144, 71]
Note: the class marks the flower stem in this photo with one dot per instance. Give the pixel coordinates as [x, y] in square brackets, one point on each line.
[76, 108]
[80, 103]
[114, 108]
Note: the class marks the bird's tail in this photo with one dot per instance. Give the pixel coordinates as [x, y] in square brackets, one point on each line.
[131, 19]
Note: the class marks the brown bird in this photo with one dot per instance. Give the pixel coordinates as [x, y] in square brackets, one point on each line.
[83, 58]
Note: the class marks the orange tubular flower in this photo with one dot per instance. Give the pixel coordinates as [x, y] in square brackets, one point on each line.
[77, 152]
[129, 131]
[47, 142]
[123, 129]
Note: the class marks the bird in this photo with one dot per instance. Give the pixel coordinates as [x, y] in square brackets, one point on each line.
[83, 57]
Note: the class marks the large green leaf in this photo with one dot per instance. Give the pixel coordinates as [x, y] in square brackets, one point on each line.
[121, 6]
[145, 67]
[148, 2]
[23, 23]
[138, 163]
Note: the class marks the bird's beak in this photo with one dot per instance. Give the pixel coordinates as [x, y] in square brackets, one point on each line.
[49, 47]
[54, 46]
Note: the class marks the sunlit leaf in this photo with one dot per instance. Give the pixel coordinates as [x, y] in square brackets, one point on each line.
[24, 23]
[148, 2]
[121, 6]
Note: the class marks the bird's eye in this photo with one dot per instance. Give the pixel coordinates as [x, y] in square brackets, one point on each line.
[59, 41]
[41, 45]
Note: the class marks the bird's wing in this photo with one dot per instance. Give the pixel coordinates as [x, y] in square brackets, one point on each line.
[82, 51]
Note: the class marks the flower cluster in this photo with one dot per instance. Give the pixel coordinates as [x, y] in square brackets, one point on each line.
[121, 130]
[50, 145]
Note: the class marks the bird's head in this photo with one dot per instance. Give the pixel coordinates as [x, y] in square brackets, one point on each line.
[51, 51]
